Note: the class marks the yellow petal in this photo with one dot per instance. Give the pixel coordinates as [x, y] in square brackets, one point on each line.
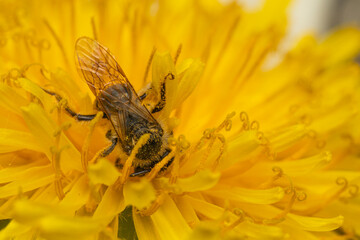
[287, 137]
[186, 210]
[256, 231]
[205, 208]
[300, 167]
[163, 65]
[11, 99]
[206, 231]
[188, 80]
[316, 224]
[257, 196]
[299, 234]
[200, 181]
[63, 228]
[330, 120]
[52, 222]
[15, 230]
[61, 80]
[347, 44]
[259, 231]
[22, 172]
[169, 222]
[351, 212]
[12, 140]
[28, 212]
[112, 203]
[43, 129]
[145, 228]
[103, 172]
[274, 14]
[77, 196]
[40, 124]
[34, 89]
[305, 165]
[139, 194]
[240, 148]
[27, 180]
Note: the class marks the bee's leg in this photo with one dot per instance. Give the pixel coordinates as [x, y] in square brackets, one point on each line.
[114, 140]
[161, 104]
[118, 163]
[109, 149]
[143, 96]
[79, 117]
[139, 171]
[106, 150]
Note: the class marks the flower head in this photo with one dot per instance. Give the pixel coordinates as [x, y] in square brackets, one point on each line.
[254, 149]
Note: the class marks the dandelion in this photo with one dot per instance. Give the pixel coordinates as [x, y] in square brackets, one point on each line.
[258, 149]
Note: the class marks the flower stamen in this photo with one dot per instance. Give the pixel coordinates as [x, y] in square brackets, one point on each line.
[85, 147]
[228, 38]
[41, 45]
[63, 127]
[154, 206]
[178, 51]
[240, 218]
[181, 145]
[210, 136]
[256, 64]
[244, 117]
[249, 50]
[93, 27]
[222, 139]
[58, 42]
[281, 216]
[206, 154]
[56, 156]
[227, 123]
[147, 70]
[343, 183]
[353, 192]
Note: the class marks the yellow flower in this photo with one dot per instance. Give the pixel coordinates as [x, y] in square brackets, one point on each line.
[259, 150]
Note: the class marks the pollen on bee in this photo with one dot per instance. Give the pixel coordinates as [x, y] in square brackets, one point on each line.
[129, 161]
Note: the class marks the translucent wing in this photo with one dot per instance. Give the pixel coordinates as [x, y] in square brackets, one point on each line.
[109, 84]
[98, 66]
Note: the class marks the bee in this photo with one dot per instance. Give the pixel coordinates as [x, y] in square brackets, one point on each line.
[117, 99]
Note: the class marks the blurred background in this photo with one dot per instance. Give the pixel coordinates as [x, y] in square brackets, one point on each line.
[320, 16]
[316, 16]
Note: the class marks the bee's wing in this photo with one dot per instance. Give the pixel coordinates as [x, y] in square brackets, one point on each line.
[101, 71]
[98, 66]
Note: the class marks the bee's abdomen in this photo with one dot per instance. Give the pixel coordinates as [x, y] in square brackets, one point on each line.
[153, 146]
